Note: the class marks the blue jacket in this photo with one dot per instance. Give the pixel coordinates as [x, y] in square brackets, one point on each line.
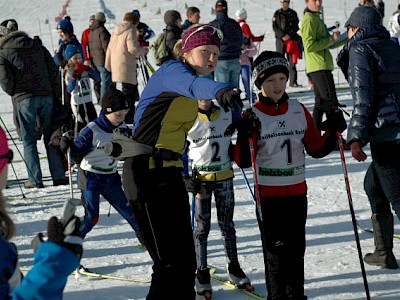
[371, 62]
[157, 108]
[8, 264]
[74, 41]
[84, 144]
[46, 280]
[231, 44]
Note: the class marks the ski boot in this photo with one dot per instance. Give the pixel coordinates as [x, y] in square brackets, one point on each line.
[203, 285]
[238, 277]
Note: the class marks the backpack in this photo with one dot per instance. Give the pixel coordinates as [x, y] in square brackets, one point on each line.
[159, 49]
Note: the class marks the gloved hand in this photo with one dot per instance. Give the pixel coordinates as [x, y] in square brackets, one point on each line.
[261, 37]
[249, 126]
[229, 97]
[79, 69]
[67, 236]
[66, 141]
[193, 185]
[334, 121]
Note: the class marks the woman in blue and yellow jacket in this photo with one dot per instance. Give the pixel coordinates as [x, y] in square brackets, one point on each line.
[153, 182]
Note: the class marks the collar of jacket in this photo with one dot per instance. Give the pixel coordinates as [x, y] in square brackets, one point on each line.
[268, 101]
[311, 12]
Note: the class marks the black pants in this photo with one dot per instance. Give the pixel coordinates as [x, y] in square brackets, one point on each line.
[161, 206]
[325, 94]
[284, 244]
[382, 179]
[132, 93]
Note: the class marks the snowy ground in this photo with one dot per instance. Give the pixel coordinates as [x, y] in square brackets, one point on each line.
[332, 265]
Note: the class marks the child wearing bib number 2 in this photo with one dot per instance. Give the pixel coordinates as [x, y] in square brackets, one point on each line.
[209, 149]
[280, 129]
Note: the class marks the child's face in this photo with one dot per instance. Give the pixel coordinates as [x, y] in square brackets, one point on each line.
[194, 18]
[117, 117]
[204, 104]
[274, 86]
[76, 59]
[178, 22]
[202, 59]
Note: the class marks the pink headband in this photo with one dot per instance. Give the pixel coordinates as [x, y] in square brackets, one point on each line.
[199, 36]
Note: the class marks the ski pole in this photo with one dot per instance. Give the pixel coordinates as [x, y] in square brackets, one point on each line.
[248, 185]
[69, 160]
[19, 151]
[19, 183]
[353, 218]
[253, 149]
[194, 175]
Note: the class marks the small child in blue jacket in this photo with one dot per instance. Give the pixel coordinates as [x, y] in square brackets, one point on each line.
[98, 169]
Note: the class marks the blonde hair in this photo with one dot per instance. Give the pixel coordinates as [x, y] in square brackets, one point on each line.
[177, 50]
[7, 226]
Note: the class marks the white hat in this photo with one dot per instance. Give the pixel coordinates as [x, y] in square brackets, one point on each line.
[241, 13]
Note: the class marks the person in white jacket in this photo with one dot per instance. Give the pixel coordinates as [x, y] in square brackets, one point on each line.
[121, 55]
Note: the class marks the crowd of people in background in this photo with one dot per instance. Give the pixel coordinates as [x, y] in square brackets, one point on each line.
[173, 116]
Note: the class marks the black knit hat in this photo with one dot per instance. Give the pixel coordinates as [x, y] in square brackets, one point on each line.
[221, 5]
[114, 100]
[266, 64]
[364, 16]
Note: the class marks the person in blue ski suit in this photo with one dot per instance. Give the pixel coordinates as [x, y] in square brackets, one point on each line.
[153, 181]
[54, 260]
[97, 169]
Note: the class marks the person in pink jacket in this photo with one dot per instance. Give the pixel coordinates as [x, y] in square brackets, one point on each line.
[249, 50]
[121, 59]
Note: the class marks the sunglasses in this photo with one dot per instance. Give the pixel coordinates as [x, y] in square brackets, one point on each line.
[207, 28]
[9, 155]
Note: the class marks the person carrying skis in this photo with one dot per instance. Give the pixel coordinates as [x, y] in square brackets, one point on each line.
[371, 64]
[279, 129]
[98, 169]
[153, 182]
[209, 149]
[78, 85]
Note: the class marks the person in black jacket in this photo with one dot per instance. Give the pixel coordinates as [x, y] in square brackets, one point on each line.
[371, 64]
[285, 24]
[173, 31]
[29, 75]
[228, 68]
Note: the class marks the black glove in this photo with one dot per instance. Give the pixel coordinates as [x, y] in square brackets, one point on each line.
[193, 185]
[67, 236]
[246, 126]
[229, 97]
[113, 149]
[334, 121]
[66, 141]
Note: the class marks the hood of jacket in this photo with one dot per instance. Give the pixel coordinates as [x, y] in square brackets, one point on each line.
[16, 40]
[123, 27]
[366, 33]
